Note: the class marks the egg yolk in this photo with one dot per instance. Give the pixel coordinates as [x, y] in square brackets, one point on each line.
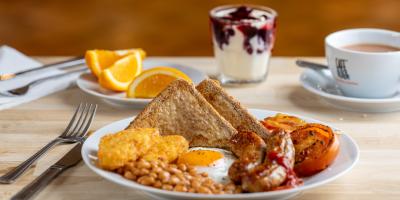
[200, 157]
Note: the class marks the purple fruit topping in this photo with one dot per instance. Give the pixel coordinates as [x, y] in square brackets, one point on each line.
[223, 29]
[240, 13]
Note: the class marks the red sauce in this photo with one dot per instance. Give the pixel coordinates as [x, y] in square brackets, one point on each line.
[292, 180]
[281, 160]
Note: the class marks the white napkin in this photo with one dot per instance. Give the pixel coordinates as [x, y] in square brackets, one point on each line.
[12, 61]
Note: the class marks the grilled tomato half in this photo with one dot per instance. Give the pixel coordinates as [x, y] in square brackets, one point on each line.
[283, 122]
[316, 147]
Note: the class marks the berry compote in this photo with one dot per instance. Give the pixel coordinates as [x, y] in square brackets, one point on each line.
[243, 37]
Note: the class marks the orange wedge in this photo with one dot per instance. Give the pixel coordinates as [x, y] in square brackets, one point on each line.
[98, 60]
[152, 81]
[119, 75]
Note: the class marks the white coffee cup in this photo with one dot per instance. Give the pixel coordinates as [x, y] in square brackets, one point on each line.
[364, 74]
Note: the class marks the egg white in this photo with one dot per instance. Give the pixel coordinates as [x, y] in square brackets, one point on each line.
[218, 170]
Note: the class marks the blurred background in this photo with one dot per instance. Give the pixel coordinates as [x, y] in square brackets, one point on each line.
[175, 28]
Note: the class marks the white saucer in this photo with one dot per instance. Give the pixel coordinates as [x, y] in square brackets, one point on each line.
[345, 161]
[322, 84]
[88, 83]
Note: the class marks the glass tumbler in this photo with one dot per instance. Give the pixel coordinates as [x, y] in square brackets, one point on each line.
[243, 37]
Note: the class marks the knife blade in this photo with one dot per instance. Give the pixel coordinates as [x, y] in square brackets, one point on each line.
[70, 159]
[66, 64]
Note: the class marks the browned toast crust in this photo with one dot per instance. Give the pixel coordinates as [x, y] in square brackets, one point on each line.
[230, 108]
[181, 110]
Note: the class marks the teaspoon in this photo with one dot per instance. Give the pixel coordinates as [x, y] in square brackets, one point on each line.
[311, 65]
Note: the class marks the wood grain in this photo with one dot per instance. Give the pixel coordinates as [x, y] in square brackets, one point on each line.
[175, 27]
[26, 128]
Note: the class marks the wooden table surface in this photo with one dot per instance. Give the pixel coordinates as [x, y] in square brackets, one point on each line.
[26, 128]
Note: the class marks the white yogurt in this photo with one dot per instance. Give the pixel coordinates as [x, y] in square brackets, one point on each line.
[235, 63]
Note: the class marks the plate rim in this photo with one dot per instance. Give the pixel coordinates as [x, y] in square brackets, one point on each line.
[156, 191]
[342, 98]
[79, 83]
[100, 95]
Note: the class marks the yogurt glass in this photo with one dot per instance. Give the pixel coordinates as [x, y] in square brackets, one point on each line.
[243, 37]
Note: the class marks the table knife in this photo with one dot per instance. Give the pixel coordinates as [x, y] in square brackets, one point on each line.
[70, 159]
[61, 65]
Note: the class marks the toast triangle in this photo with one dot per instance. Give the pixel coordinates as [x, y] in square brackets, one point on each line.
[181, 110]
[230, 108]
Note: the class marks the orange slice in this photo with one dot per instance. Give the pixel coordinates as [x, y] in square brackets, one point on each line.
[152, 81]
[119, 75]
[98, 60]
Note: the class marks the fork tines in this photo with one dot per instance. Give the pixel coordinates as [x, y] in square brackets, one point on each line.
[75, 132]
[81, 120]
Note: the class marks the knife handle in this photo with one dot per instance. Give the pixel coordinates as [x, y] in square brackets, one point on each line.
[39, 183]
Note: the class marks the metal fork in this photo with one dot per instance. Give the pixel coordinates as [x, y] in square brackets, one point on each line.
[24, 89]
[75, 132]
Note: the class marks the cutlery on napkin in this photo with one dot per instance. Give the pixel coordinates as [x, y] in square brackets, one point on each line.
[12, 61]
[61, 65]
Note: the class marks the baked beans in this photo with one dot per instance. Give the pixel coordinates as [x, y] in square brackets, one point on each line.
[172, 177]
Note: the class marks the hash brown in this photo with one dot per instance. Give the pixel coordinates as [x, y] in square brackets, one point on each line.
[167, 147]
[115, 150]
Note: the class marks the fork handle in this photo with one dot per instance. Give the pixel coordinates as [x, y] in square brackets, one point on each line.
[13, 174]
[38, 184]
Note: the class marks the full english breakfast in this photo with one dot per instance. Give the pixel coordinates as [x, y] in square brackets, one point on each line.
[200, 139]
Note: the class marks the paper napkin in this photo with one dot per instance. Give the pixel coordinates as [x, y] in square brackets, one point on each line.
[12, 61]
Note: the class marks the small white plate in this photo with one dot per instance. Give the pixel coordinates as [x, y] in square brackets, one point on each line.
[88, 83]
[322, 84]
[347, 158]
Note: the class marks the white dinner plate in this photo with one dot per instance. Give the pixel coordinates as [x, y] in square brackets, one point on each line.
[321, 83]
[347, 158]
[88, 83]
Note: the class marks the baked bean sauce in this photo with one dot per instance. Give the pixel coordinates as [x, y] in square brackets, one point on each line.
[181, 178]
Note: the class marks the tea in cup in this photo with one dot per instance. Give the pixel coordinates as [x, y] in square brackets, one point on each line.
[365, 63]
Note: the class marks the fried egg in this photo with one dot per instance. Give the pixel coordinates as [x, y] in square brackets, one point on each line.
[215, 162]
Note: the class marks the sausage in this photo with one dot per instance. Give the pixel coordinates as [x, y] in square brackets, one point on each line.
[248, 145]
[262, 165]
[280, 144]
[250, 148]
[264, 177]
[279, 160]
